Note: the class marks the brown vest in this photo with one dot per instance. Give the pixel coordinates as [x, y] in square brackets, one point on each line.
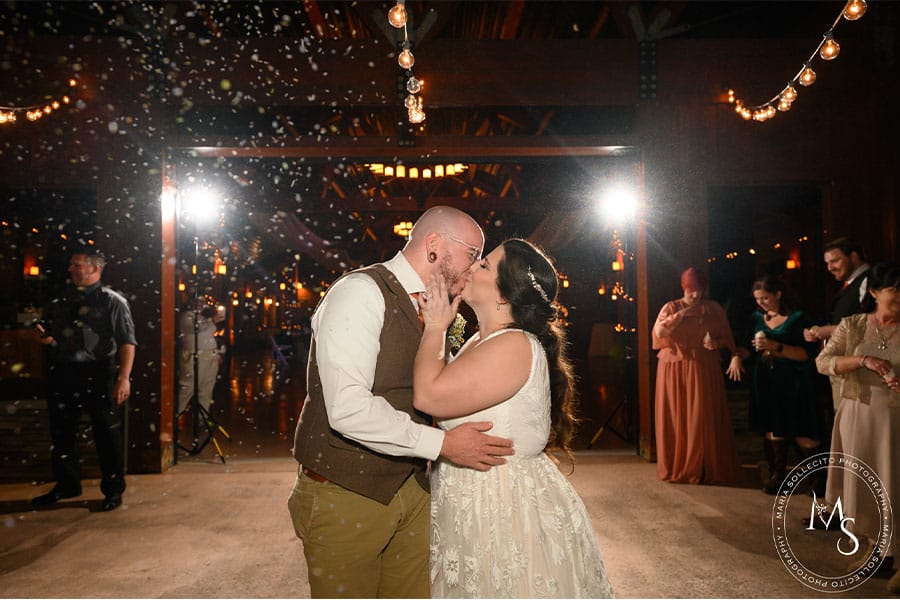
[343, 461]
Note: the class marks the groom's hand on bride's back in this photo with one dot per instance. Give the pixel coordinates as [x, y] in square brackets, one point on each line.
[468, 446]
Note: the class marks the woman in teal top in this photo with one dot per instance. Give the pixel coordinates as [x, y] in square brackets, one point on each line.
[785, 406]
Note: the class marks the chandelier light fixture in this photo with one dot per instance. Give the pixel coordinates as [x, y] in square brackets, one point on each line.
[403, 228]
[403, 171]
[828, 49]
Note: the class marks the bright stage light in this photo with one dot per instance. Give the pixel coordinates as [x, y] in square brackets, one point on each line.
[200, 204]
[618, 205]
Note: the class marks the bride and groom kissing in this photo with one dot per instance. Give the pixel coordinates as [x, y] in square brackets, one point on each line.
[500, 518]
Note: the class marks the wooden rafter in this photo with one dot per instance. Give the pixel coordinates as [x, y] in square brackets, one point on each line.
[599, 22]
[314, 13]
[513, 17]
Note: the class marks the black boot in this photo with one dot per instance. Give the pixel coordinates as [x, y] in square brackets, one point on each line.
[818, 479]
[776, 456]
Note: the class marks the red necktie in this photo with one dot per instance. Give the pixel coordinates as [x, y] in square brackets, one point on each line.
[415, 297]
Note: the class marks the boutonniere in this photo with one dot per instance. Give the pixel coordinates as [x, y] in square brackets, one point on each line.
[456, 335]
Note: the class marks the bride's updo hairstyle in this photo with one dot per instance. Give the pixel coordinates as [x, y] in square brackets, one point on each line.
[527, 280]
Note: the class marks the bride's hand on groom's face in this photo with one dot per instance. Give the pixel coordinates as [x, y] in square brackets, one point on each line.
[437, 310]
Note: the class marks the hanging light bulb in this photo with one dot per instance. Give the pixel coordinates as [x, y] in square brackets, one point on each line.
[410, 101]
[807, 76]
[830, 49]
[406, 59]
[416, 116]
[854, 10]
[784, 105]
[413, 85]
[397, 15]
[789, 94]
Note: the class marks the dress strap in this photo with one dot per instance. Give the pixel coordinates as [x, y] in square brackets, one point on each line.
[501, 331]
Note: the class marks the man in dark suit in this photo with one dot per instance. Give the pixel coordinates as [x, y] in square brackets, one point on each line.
[845, 260]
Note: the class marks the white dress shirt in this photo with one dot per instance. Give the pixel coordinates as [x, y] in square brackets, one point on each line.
[347, 328]
[865, 283]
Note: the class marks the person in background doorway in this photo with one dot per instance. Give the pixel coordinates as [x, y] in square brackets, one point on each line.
[694, 439]
[785, 406]
[89, 333]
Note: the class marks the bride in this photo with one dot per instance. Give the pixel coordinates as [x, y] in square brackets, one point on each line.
[519, 529]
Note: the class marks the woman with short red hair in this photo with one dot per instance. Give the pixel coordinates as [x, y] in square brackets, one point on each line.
[694, 440]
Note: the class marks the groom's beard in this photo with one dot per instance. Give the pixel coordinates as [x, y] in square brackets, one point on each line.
[455, 281]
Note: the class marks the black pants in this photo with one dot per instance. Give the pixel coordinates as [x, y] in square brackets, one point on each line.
[85, 386]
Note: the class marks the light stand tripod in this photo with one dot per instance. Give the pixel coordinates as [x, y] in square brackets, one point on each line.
[201, 419]
[625, 313]
[623, 407]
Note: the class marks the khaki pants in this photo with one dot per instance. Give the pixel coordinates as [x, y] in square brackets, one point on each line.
[356, 547]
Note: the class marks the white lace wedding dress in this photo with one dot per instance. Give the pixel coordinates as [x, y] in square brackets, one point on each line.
[519, 530]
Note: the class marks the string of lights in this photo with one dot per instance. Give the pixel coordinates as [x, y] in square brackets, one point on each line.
[791, 263]
[398, 17]
[34, 112]
[828, 49]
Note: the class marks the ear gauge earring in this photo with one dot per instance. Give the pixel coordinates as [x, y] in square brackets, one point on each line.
[432, 256]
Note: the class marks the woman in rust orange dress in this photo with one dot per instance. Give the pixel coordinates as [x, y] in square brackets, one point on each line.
[694, 440]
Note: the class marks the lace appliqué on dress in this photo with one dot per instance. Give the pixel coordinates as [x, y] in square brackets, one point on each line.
[519, 530]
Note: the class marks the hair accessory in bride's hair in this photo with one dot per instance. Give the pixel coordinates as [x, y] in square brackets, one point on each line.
[537, 286]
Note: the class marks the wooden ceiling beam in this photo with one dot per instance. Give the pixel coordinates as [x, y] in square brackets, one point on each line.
[445, 15]
[433, 148]
[316, 19]
[599, 22]
[398, 205]
[513, 17]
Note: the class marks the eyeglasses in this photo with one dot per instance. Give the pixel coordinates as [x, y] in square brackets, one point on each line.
[474, 251]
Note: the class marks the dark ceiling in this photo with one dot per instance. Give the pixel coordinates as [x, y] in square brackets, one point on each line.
[515, 19]
[344, 214]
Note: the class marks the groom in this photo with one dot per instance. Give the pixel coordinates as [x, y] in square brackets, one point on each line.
[360, 502]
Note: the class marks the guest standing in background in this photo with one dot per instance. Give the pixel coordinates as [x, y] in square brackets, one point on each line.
[784, 406]
[864, 350]
[694, 439]
[89, 334]
[846, 261]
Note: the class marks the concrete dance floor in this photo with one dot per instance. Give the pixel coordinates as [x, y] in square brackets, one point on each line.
[205, 529]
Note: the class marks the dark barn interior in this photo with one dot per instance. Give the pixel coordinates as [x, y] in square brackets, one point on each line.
[289, 114]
